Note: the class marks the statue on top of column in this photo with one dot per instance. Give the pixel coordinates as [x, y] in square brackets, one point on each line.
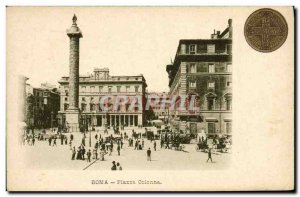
[74, 19]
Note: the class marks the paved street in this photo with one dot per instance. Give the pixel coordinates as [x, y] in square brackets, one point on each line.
[43, 156]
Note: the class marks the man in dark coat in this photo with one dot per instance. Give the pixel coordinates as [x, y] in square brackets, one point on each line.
[83, 153]
[118, 149]
[73, 153]
[54, 141]
[89, 155]
[154, 146]
[149, 155]
[209, 155]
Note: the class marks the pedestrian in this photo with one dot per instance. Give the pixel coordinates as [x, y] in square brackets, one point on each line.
[161, 143]
[61, 139]
[121, 144]
[71, 137]
[143, 143]
[33, 140]
[73, 153]
[136, 145]
[83, 141]
[110, 150]
[50, 139]
[66, 140]
[148, 154]
[83, 153]
[78, 157]
[111, 145]
[95, 153]
[119, 167]
[89, 155]
[96, 136]
[102, 153]
[70, 143]
[114, 167]
[118, 149]
[167, 144]
[209, 155]
[154, 145]
[54, 141]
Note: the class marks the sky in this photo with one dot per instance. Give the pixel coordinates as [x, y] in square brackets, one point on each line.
[129, 41]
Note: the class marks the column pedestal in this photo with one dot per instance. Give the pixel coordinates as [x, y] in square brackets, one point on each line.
[72, 120]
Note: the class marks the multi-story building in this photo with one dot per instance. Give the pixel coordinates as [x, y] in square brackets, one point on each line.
[42, 106]
[97, 85]
[203, 67]
[160, 111]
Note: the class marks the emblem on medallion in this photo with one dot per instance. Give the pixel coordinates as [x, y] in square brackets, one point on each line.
[266, 30]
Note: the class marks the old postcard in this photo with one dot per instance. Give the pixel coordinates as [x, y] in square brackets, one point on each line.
[150, 98]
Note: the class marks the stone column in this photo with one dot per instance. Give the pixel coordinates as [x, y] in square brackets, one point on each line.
[72, 114]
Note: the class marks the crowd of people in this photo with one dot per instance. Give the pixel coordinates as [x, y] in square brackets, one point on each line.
[105, 145]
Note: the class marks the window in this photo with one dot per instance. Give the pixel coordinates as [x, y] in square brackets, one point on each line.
[229, 48]
[83, 107]
[83, 98]
[66, 98]
[228, 83]
[201, 48]
[211, 127]
[193, 68]
[210, 104]
[83, 88]
[211, 68]
[127, 88]
[192, 49]
[92, 88]
[136, 88]
[100, 89]
[66, 106]
[109, 89]
[210, 48]
[192, 84]
[92, 107]
[228, 104]
[228, 127]
[229, 68]
[211, 84]
[118, 89]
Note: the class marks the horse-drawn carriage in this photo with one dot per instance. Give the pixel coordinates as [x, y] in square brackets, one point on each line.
[177, 146]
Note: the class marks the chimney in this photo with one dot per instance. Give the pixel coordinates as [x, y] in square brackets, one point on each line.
[214, 35]
[230, 22]
[230, 27]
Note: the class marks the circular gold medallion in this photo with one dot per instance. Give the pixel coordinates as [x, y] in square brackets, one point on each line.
[265, 30]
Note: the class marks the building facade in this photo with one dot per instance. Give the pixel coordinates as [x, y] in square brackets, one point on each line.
[93, 88]
[203, 67]
[160, 111]
[42, 106]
